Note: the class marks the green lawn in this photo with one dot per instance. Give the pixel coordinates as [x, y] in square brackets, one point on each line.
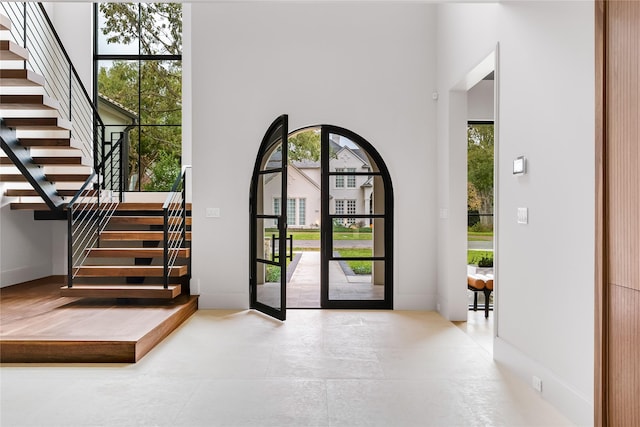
[473, 256]
[358, 267]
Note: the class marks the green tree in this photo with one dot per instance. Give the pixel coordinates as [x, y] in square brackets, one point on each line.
[480, 149]
[305, 146]
[158, 28]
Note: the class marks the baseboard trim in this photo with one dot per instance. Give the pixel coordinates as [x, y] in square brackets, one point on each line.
[572, 404]
[24, 274]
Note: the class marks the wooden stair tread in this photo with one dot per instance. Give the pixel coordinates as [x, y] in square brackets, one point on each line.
[133, 235]
[133, 252]
[30, 192]
[29, 206]
[49, 143]
[10, 51]
[121, 291]
[68, 177]
[37, 123]
[144, 206]
[129, 271]
[49, 160]
[140, 220]
[5, 23]
[21, 77]
[30, 102]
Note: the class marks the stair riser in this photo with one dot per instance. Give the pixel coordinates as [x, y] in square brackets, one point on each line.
[177, 271]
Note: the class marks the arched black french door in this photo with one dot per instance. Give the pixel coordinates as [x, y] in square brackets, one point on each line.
[354, 209]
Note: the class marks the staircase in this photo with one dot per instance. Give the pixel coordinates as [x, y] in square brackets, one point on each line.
[56, 163]
[127, 261]
[42, 166]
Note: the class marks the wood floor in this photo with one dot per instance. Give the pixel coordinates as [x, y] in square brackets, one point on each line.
[39, 325]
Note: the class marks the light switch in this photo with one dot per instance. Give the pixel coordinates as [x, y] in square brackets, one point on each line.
[212, 213]
[444, 213]
[523, 215]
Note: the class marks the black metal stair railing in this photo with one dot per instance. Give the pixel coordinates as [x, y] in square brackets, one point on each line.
[32, 29]
[89, 211]
[175, 226]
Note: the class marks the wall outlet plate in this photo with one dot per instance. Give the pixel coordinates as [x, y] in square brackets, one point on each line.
[212, 213]
[536, 383]
[523, 215]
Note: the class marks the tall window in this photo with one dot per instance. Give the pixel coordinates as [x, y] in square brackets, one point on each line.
[339, 178]
[339, 207]
[138, 67]
[291, 211]
[351, 210]
[351, 179]
[276, 206]
[302, 212]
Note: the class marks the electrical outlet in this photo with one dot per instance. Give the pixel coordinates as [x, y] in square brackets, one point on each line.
[212, 212]
[537, 384]
[523, 216]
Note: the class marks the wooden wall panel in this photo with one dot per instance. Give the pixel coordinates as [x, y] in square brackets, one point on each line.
[623, 125]
[617, 370]
[624, 369]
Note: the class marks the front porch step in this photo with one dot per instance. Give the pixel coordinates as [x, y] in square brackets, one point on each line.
[140, 220]
[121, 291]
[20, 78]
[133, 252]
[151, 236]
[129, 271]
[10, 51]
[28, 102]
[37, 123]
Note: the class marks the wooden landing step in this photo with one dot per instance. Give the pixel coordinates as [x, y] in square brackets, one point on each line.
[129, 271]
[30, 192]
[40, 326]
[135, 206]
[121, 291]
[53, 177]
[133, 252]
[5, 23]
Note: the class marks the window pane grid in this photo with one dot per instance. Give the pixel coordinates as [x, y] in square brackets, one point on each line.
[291, 211]
[351, 179]
[302, 212]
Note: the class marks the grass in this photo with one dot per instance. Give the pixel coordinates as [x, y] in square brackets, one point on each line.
[273, 272]
[475, 255]
[479, 236]
[358, 267]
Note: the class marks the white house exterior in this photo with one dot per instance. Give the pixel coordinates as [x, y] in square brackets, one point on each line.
[349, 195]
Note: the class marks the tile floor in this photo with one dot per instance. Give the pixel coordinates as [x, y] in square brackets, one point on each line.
[319, 368]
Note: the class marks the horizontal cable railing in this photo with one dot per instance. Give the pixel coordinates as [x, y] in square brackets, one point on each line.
[89, 211]
[175, 225]
[32, 29]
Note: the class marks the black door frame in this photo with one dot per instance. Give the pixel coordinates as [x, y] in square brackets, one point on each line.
[326, 227]
[277, 133]
[326, 245]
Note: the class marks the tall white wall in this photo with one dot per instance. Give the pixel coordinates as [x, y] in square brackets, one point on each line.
[25, 247]
[366, 67]
[545, 269]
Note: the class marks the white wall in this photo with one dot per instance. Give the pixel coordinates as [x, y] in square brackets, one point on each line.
[77, 39]
[25, 246]
[480, 101]
[366, 67]
[546, 110]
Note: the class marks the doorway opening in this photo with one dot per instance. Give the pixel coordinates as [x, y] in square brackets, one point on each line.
[328, 193]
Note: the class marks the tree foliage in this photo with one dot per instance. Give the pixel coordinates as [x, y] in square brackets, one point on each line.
[480, 149]
[158, 141]
[305, 146]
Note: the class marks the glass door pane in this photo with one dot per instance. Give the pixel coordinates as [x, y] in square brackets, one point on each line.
[269, 223]
[355, 252]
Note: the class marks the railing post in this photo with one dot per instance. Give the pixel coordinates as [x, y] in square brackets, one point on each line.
[166, 248]
[184, 222]
[70, 247]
